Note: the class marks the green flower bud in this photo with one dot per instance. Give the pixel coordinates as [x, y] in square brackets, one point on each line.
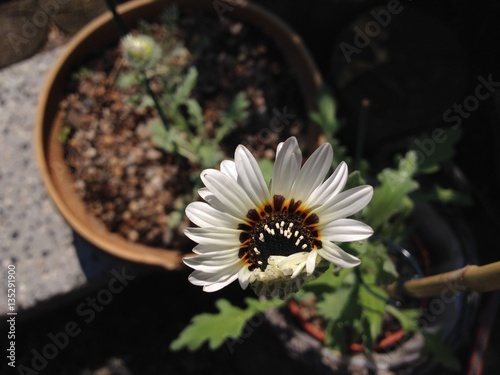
[141, 51]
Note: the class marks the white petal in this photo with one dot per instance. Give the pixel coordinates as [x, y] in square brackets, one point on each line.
[311, 261]
[204, 215]
[244, 277]
[345, 204]
[313, 172]
[215, 248]
[201, 278]
[212, 282]
[250, 176]
[222, 236]
[229, 169]
[228, 192]
[211, 199]
[298, 269]
[337, 256]
[220, 284]
[286, 167]
[346, 230]
[211, 264]
[330, 188]
[212, 258]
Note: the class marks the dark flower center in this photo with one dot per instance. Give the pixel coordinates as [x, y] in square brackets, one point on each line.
[278, 228]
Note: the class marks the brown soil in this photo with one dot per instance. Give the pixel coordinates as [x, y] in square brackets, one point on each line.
[123, 178]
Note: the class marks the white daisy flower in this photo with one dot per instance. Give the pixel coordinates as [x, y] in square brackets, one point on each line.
[274, 238]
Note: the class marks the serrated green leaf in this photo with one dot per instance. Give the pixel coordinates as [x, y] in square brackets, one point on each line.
[333, 304]
[237, 112]
[372, 309]
[326, 116]
[237, 109]
[408, 318]
[377, 262]
[433, 150]
[357, 248]
[341, 310]
[354, 179]
[391, 196]
[209, 154]
[229, 322]
[196, 113]
[185, 87]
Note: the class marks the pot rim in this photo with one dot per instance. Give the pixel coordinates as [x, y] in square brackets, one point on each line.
[49, 154]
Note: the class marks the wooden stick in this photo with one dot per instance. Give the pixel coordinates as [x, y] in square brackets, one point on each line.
[476, 278]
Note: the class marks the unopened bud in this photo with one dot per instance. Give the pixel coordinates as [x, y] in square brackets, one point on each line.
[141, 51]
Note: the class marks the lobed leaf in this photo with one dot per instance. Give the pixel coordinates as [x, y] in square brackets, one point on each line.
[228, 322]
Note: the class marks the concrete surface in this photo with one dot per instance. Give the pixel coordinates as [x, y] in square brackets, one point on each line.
[50, 259]
[33, 236]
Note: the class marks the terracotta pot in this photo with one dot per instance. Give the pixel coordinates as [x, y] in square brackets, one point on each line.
[92, 39]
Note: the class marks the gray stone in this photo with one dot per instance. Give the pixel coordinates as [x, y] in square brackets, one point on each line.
[33, 235]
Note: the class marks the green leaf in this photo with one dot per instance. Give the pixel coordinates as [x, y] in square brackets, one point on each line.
[329, 281]
[408, 318]
[372, 310]
[333, 304]
[354, 179]
[160, 136]
[434, 346]
[444, 196]
[433, 150]
[236, 113]
[209, 154]
[146, 101]
[388, 274]
[196, 113]
[229, 322]
[342, 313]
[237, 109]
[326, 116]
[266, 166]
[184, 89]
[377, 262]
[63, 134]
[391, 196]
[128, 79]
[337, 304]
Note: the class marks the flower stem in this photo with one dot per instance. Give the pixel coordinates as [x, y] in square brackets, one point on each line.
[117, 18]
[152, 95]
